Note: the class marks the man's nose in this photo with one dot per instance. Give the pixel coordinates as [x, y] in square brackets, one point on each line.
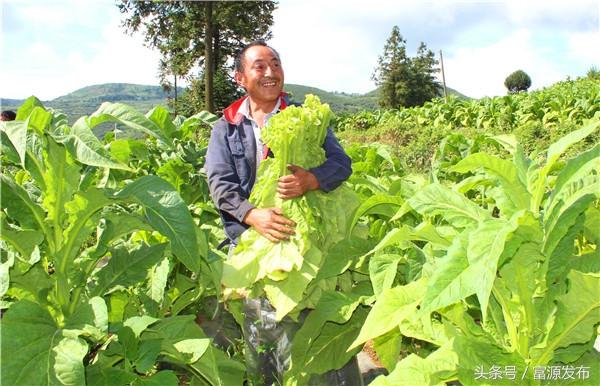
[270, 71]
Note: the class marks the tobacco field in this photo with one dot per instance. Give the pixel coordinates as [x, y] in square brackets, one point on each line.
[465, 252]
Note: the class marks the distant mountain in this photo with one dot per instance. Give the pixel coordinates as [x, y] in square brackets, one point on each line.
[116, 92]
[86, 100]
[339, 102]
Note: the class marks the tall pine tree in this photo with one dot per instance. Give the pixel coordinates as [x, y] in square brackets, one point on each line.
[202, 34]
[405, 81]
[393, 72]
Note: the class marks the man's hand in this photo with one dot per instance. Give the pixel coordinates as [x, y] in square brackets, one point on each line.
[296, 184]
[271, 223]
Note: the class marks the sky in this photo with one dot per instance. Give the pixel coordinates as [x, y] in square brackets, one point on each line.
[53, 47]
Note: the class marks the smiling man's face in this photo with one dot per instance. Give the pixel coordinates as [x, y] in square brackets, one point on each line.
[262, 74]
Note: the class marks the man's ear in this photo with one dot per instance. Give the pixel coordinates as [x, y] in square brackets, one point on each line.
[239, 78]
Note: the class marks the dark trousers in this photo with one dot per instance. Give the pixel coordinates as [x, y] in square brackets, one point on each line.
[268, 348]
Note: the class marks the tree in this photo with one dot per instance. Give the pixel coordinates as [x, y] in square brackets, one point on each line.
[423, 86]
[404, 81]
[202, 34]
[593, 73]
[392, 73]
[193, 98]
[517, 81]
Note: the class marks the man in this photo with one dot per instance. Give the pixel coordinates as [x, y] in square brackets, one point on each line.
[235, 150]
[234, 153]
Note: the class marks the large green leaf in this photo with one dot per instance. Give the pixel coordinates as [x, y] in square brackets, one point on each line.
[195, 348]
[538, 181]
[341, 255]
[117, 225]
[25, 242]
[83, 217]
[438, 367]
[486, 245]
[559, 147]
[392, 306]
[148, 352]
[162, 118]
[27, 107]
[577, 314]
[218, 369]
[559, 257]
[31, 354]
[30, 282]
[158, 280]
[504, 171]
[16, 134]
[139, 324]
[476, 356]
[455, 208]
[592, 224]
[213, 367]
[469, 267]
[20, 206]
[168, 214]
[62, 181]
[126, 150]
[567, 213]
[388, 347]
[515, 289]
[4, 274]
[382, 271]
[85, 147]
[382, 204]
[108, 376]
[90, 319]
[574, 170]
[34, 159]
[126, 115]
[194, 121]
[126, 268]
[68, 366]
[161, 378]
[401, 235]
[286, 294]
[331, 348]
[586, 263]
[38, 119]
[334, 307]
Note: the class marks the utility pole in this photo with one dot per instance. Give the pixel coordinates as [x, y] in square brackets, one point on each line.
[443, 77]
[175, 81]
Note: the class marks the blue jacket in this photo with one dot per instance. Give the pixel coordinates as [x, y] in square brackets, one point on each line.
[231, 166]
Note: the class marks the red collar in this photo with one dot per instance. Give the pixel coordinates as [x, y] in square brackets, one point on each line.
[233, 116]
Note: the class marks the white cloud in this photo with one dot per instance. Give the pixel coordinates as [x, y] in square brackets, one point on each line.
[50, 67]
[63, 45]
[481, 71]
[322, 52]
[120, 58]
[483, 41]
[585, 48]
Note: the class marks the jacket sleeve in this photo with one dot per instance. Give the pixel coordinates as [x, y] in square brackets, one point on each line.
[223, 180]
[338, 166]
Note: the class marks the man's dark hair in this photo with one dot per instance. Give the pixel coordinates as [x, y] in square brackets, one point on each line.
[8, 115]
[238, 62]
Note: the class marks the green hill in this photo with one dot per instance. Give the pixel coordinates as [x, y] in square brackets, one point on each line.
[339, 102]
[344, 102]
[86, 100]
